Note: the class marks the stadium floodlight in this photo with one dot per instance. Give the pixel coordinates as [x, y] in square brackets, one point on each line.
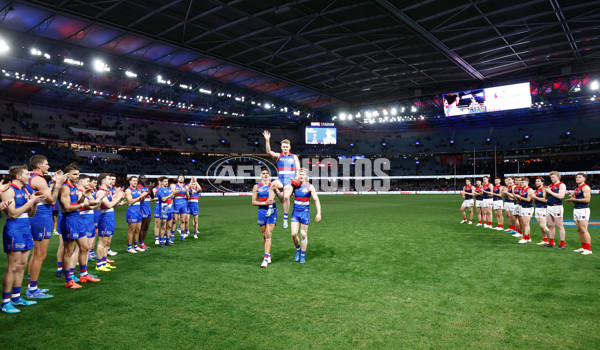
[205, 91]
[342, 116]
[4, 48]
[100, 66]
[72, 62]
[594, 85]
[413, 109]
[394, 111]
[35, 52]
[349, 116]
[267, 106]
[130, 74]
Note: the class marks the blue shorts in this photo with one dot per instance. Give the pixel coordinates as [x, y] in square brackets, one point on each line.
[71, 227]
[41, 226]
[157, 211]
[193, 208]
[146, 211]
[16, 236]
[286, 179]
[167, 216]
[96, 217]
[89, 227]
[263, 220]
[302, 217]
[106, 225]
[180, 207]
[133, 215]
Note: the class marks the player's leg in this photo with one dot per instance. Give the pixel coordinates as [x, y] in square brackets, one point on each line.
[170, 231]
[16, 299]
[144, 231]
[542, 221]
[130, 233]
[558, 221]
[84, 251]
[303, 242]
[60, 272]
[10, 280]
[478, 210]
[157, 228]
[40, 250]
[470, 215]
[69, 246]
[287, 194]
[176, 220]
[195, 223]
[464, 215]
[136, 235]
[184, 226]
[295, 239]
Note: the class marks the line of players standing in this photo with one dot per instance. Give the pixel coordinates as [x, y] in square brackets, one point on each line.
[518, 204]
[31, 202]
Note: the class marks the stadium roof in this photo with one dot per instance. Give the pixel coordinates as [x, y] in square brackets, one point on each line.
[321, 54]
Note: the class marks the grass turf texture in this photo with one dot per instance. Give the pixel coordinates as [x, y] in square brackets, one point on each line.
[382, 272]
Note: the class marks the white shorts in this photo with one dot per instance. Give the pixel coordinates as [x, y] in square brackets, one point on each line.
[541, 213]
[508, 206]
[582, 214]
[487, 203]
[498, 205]
[467, 203]
[526, 212]
[479, 204]
[556, 211]
[516, 209]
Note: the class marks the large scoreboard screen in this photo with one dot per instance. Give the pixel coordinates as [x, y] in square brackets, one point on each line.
[321, 135]
[500, 98]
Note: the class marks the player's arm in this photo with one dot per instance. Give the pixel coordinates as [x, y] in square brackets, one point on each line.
[530, 195]
[488, 191]
[542, 199]
[58, 178]
[562, 191]
[267, 136]
[586, 196]
[296, 165]
[8, 196]
[115, 201]
[255, 200]
[129, 197]
[315, 197]
[65, 200]
[39, 184]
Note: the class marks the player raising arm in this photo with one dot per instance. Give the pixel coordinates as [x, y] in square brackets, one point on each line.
[287, 167]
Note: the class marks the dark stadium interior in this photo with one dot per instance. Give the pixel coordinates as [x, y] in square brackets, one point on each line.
[183, 81]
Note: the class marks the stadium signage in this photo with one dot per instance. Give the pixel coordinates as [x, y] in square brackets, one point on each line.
[368, 174]
[228, 174]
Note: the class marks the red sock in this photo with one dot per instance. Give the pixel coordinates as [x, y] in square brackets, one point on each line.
[587, 246]
[562, 243]
[480, 221]
[583, 245]
[545, 240]
[464, 218]
[551, 241]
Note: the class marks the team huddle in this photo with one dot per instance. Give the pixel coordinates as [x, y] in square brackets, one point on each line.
[519, 202]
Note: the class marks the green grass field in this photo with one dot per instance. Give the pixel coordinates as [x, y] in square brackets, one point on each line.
[382, 272]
